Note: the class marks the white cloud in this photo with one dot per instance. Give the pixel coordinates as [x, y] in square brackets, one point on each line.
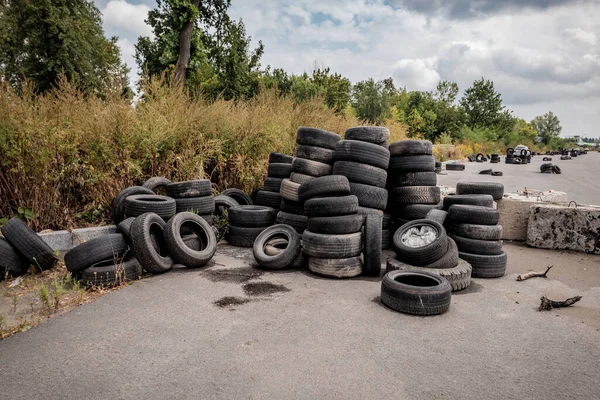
[581, 35]
[127, 17]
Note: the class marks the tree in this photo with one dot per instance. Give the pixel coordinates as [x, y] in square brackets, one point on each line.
[42, 39]
[370, 101]
[482, 104]
[446, 93]
[547, 126]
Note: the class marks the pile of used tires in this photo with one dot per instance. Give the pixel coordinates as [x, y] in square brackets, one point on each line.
[246, 222]
[455, 167]
[495, 159]
[280, 168]
[549, 168]
[524, 156]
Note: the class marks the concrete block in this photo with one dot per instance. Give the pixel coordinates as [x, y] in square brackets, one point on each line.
[514, 210]
[563, 228]
[66, 240]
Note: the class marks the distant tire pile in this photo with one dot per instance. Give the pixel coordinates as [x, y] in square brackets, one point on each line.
[246, 222]
[455, 167]
[280, 168]
[474, 227]
[495, 159]
[549, 168]
[412, 181]
[363, 158]
[333, 241]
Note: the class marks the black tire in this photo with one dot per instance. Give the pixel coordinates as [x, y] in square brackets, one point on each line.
[415, 211]
[477, 246]
[223, 203]
[436, 215]
[480, 158]
[481, 232]
[300, 178]
[556, 169]
[109, 273]
[180, 252]
[386, 239]
[510, 151]
[147, 233]
[417, 293]
[325, 186]
[209, 218]
[412, 179]
[12, 263]
[124, 228]
[272, 184]
[118, 203]
[360, 173]
[403, 164]
[309, 167]
[199, 205]
[370, 211]
[331, 206]
[102, 248]
[497, 173]
[372, 246]
[485, 266]
[282, 259]
[29, 244]
[289, 191]
[240, 236]
[423, 255]
[332, 246]
[411, 148]
[455, 167]
[315, 153]
[386, 221]
[238, 195]
[156, 183]
[269, 199]
[362, 152]
[196, 188]
[339, 225]
[448, 260]
[483, 200]
[416, 195]
[317, 137]
[370, 196]
[291, 207]
[279, 170]
[496, 190]
[467, 214]
[371, 134]
[139, 204]
[298, 222]
[458, 276]
[280, 158]
[251, 216]
[335, 267]
[486, 172]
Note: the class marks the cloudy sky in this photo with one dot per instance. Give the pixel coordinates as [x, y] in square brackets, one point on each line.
[543, 55]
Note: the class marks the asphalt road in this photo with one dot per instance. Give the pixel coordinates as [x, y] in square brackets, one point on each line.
[163, 338]
[579, 176]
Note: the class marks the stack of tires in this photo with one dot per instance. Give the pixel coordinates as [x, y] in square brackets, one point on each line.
[412, 181]
[495, 159]
[455, 167]
[193, 196]
[363, 158]
[246, 222]
[423, 246]
[475, 228]
[333, 241]
[280, 168]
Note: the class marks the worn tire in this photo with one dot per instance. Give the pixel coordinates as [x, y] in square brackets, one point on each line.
[291, 207]
[412, 179]
[279, 170]
[340, 225]
[315, 153]
[332, 246]
[238, 195]
[317, 137]
[179, 250]
[309, 167]
[12, 263]
[195, 188]
[386, 239]
[466, 214]
[251, 216]
[223, 203]
[483, 200]
[370, 196]
[239, 236]
[147, 233]
[298, 222]
[107, 273]
[372, 246]
[436, 215]
[360, 173]
[289, 190]
[28, 243]
[417, 293]
[272, 184]
[283, 258]
[448, 260]
[335, 267]
[404, 164]
[362, 152]
[156, 183]
[455, 167]
[300, 178]
[124, 228]
[138, 204]
[331, 206]
[422, 255]
[411, 148]
[325, 186]
[371, 134]
[199, 205]
[118, 203]
[107, 247]
[477, 246]
[486, 266]
[415, 211]
[269, 199]
[280, 158]
[496, 190]
[416, 195]
[458, 276]
[481, 232]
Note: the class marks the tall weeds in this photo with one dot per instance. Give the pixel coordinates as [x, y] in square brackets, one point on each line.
[64, 156]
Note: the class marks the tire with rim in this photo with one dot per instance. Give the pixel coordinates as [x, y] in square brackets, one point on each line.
[199, 205]
[496, 190]
[139, 204]
[251, 216]
[315, 153]
[412, 179]
[371, 134]
[332, 246]
[458, 276]
[418, 163]
[411, 147]
[360, 173]
[370, 196]
[240, 236]
[102, 248]
[238, 195]
[109, 273]
[417, 293]
[148, 243]
[331, 206]
[339, 225]
[118, 203]
[28, 243]
[195, 188]
[335, 267]
[156, 182]
[283, 258]
[179, 250]
[478, 215]
[325, 186]
[317, 137]
[486, 266]
[416, 195]
[421, 255]
[279, 170]
[362, 152]
[298, 222]
[12, 263]
[484, 200]
[481, 232]
[372, 246]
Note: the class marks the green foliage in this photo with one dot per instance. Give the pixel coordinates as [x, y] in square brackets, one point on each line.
[482, 104]
[371, 101]
[42, 39]
[547, 126]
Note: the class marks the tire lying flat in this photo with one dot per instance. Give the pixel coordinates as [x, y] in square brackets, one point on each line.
[417, 293]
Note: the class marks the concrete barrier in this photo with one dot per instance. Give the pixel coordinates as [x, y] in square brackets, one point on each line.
[65, 240]
[564, 228]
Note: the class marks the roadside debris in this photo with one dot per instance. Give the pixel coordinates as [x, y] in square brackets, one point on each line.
[548, 304]
[534, 274]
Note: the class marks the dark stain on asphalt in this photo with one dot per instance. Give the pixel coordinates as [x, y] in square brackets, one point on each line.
[230, 301]
[263, 288]
[232, 275]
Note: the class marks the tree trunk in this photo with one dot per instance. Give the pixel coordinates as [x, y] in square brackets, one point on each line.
[185, 43]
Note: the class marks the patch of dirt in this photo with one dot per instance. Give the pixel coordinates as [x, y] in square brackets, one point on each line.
[230, 301]
[233, 275]
[263, 288]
